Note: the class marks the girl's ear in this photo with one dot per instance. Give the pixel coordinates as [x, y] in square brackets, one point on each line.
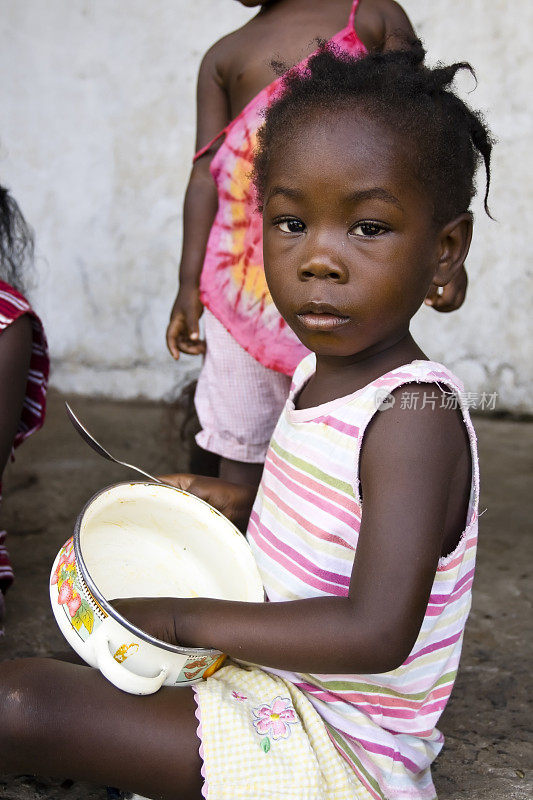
[454, 244]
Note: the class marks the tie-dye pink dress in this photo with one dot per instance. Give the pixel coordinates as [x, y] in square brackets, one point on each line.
[233, 285]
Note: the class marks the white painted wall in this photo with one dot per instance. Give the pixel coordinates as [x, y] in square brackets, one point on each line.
[96, 137]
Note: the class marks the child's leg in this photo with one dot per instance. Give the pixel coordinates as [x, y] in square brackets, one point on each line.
[59, 719]
[240, 472]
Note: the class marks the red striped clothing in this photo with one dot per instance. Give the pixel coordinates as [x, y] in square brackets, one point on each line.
[303, 531]
[12, 306]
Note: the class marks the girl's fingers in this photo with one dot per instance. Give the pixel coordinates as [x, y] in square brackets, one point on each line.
[192, 325]
[181, 339]
[192, 348]
[174, 331]
[181, 480]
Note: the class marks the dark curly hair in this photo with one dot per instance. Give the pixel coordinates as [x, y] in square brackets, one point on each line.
[16, 241]
[447, 139]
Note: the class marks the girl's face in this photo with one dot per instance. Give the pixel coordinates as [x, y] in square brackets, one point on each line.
[350, 246]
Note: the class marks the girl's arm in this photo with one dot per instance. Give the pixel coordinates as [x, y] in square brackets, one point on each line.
[383, 25]
[414, 480]
[15, 356]
[397, 27]
[200, 207]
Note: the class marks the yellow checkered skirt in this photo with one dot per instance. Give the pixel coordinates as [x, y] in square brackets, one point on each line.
[263, 740]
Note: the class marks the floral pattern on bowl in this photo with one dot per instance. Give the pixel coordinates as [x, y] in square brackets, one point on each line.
[70, 592]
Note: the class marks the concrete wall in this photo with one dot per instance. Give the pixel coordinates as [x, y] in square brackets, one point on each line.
[96, 138]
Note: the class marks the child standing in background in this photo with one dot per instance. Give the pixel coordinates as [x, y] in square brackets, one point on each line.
[23, 354]
[250, 353]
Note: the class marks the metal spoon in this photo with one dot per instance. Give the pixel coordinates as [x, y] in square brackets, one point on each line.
[91, 441]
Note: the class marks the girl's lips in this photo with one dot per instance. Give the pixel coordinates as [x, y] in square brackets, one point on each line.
[321, 321]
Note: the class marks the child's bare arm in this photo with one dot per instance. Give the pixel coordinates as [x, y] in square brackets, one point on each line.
[15, 355]
[383, 25]
[199, 211]
[412, 463]
[398, 28]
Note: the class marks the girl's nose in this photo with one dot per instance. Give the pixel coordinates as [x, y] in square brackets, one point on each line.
[323, 267]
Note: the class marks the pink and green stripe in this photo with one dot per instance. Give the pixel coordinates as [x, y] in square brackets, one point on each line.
[304, 531]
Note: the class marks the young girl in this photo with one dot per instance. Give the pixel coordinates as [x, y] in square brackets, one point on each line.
[365, 524]
[251, 352]
[23, 354]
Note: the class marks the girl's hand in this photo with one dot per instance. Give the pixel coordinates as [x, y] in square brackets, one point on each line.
[199, 210]
[452, 296]
[183, 329]
[155, 615]
[231, 499]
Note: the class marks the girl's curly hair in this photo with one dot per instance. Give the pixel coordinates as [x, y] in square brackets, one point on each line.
[446, 138]
[16, 241]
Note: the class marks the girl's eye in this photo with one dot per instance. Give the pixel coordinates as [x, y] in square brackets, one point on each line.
[291, 226]
[368, 229]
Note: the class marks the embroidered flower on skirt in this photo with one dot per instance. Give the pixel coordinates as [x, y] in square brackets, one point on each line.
[275, 719]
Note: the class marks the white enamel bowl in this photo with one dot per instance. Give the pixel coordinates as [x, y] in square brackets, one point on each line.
[146, 540]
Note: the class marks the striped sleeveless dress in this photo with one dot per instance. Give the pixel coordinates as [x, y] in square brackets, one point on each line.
[233, 285]
[278, 735]
[12, 306]
[303, 532]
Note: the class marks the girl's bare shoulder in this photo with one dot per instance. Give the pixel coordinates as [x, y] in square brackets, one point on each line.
[222, 52]
[216, 58]
[382, 24]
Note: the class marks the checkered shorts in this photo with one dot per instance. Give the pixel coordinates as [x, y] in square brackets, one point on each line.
[238, 400]
[261, 739]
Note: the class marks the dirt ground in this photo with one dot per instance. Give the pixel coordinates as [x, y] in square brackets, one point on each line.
[488, 753]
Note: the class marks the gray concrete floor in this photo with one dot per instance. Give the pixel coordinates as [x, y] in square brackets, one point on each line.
[488, 753]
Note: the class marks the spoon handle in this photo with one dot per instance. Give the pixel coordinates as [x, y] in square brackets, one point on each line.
[97, 447]
[139, 470]
[86, 436]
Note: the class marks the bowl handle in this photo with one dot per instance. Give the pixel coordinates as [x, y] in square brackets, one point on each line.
[118, 675]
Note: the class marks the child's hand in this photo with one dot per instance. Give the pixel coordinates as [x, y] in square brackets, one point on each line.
[231, 499]
[154, 615]
[452, 296]
[176, 620]
[183, 329]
